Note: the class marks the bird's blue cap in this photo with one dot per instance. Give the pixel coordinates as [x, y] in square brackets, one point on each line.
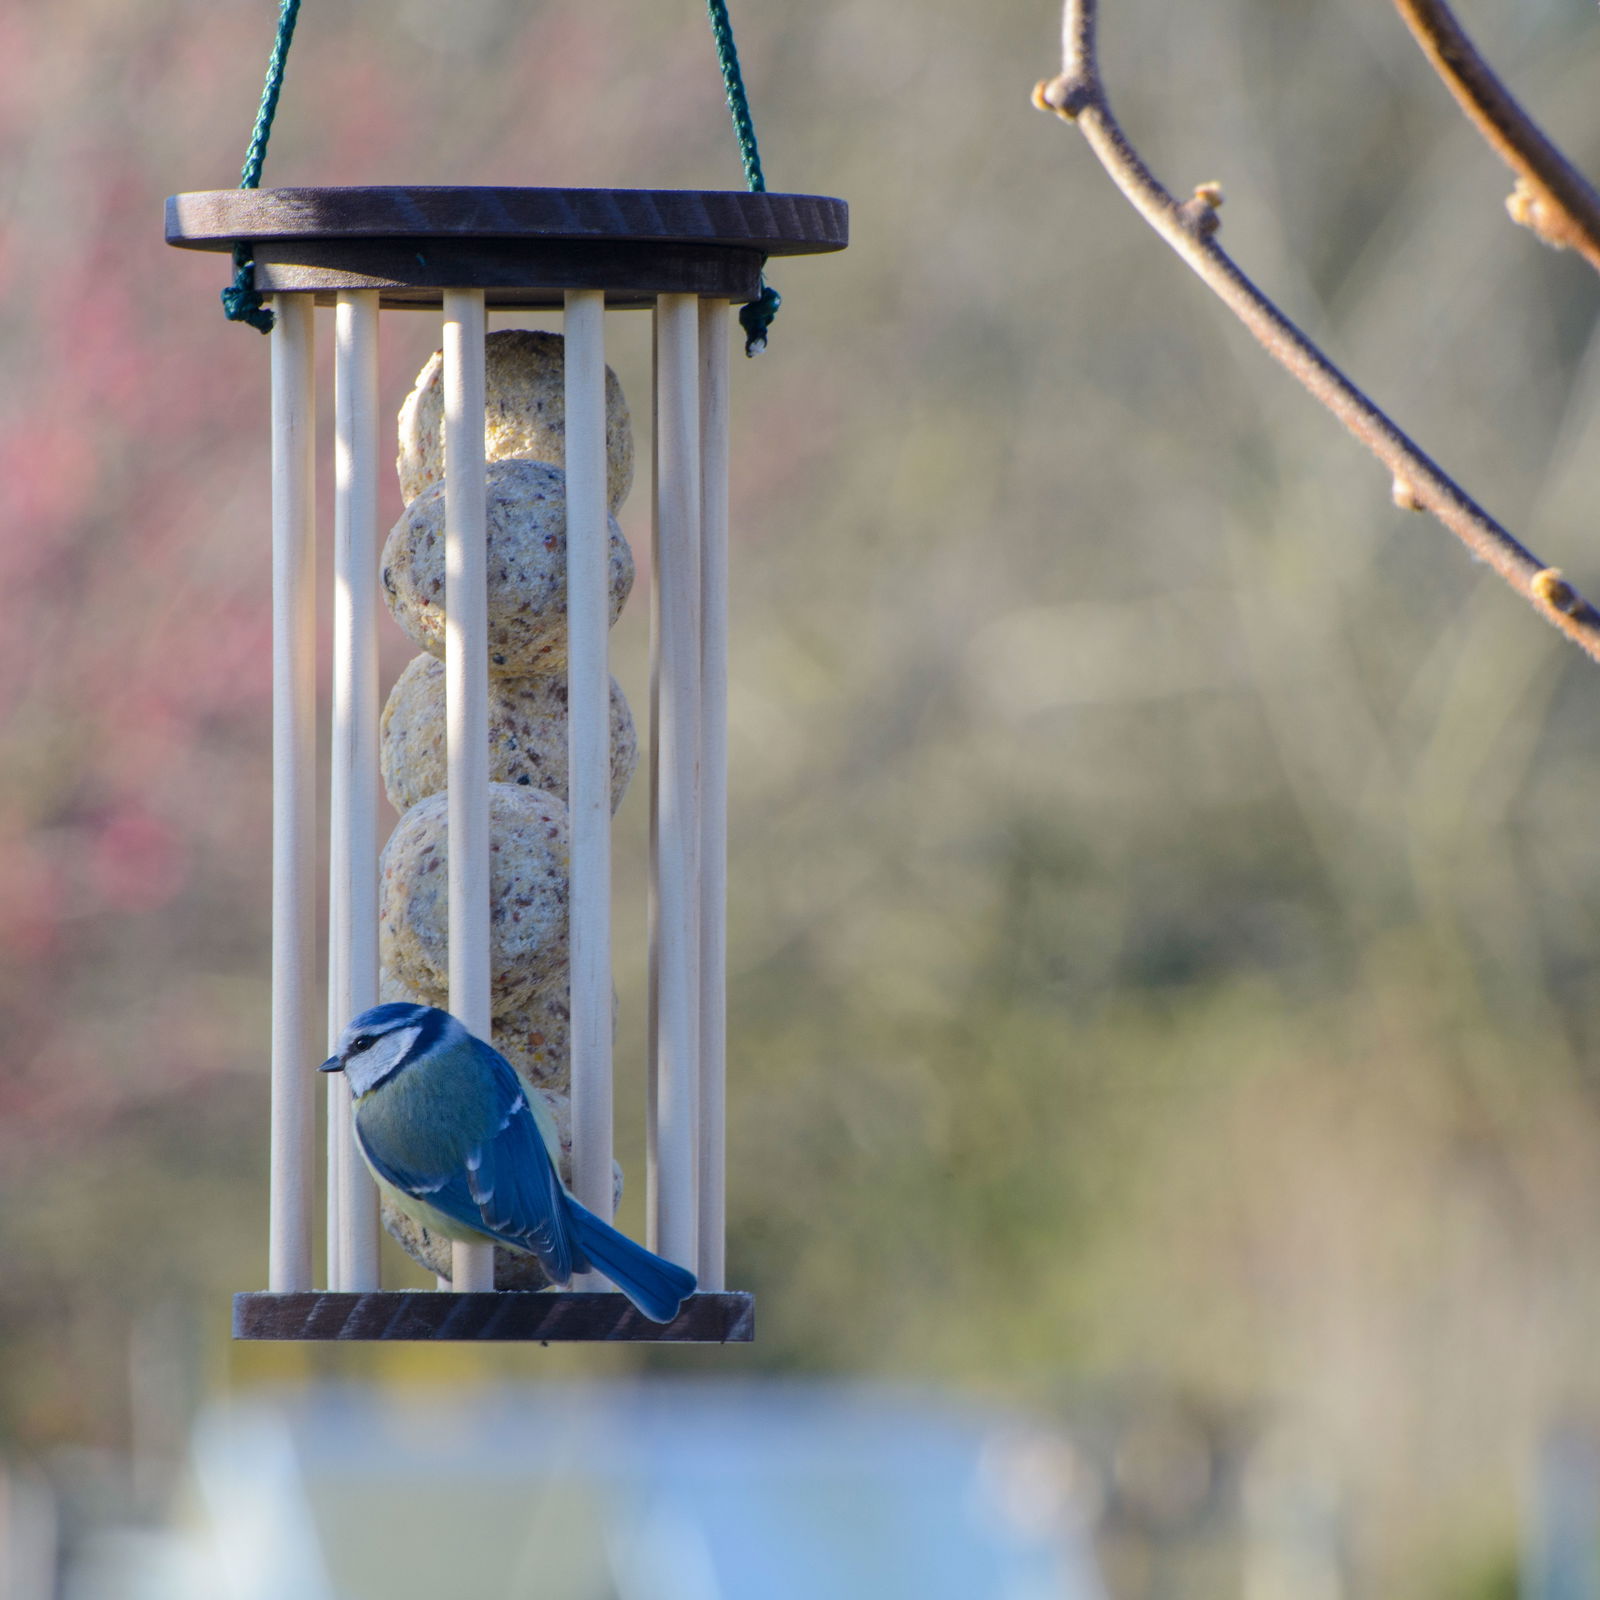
[376, 1019]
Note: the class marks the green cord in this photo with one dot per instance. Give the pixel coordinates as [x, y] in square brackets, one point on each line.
[728, 59]
[756, 317]
[240, 301]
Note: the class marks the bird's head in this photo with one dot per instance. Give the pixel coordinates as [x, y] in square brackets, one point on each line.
[380, 1042]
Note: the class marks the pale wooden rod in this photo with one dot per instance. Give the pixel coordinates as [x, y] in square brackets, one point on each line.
[652, 1185]
[672, 1136]
[712, 1162]
[466, 670]
[294, 794]
[353, 791]
[589, 752]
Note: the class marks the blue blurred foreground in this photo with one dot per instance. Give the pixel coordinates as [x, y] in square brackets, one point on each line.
[617, 1492]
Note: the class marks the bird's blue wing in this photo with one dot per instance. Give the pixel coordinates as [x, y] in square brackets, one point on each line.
[447, 1192]
[515, 1186]
[459, 1135]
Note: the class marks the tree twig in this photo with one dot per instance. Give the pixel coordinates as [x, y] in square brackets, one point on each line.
[1551, 196]
[1078, 95]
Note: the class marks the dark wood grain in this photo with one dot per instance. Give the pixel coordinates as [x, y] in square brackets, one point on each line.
[773, 224]
[506, 1315]
[520, 274]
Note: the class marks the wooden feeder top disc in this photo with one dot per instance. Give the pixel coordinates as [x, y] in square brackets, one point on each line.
[523, 247]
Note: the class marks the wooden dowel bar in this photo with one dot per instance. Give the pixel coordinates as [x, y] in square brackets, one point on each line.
[353, 808]
[466, 665]
[589, 750]
[338, 1133]
[294, 798]
[652, 1180]
[675, 815]
[337, 1138]
[712, 1159]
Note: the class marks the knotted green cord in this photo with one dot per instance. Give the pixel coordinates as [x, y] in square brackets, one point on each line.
[756, 317]
[240, 302]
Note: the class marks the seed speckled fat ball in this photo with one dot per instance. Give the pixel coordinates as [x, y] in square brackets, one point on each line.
[390, 989]
[512, 1270]
[529, 870]
[527, 557]
[525, 413]
[537, 1039]
[527, 735]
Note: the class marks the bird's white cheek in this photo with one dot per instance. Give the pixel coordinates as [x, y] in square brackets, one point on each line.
[379, 1059]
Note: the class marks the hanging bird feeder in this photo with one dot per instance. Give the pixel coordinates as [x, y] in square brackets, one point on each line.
[509, 572]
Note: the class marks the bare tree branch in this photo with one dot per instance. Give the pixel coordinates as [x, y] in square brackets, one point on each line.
[1551, 196]
[1078, 95]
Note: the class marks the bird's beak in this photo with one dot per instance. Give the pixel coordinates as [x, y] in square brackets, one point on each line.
[332, 1064]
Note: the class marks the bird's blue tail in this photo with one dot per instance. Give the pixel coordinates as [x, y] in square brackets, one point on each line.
[656, 1286]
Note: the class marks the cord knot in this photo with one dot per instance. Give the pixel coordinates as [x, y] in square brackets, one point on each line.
[240, 300]
[756, 318]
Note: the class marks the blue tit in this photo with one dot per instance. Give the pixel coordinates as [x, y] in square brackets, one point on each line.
[445, 1125]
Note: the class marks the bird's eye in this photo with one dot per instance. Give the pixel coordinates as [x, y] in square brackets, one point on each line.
[362, 1041]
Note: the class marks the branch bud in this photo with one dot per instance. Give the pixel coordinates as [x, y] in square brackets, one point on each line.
[1063, 95]
[1555, 591]
[1406, 497]
[1199, 213]
[1531, 209]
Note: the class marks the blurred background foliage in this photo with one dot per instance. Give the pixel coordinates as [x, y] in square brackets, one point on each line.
[1165, 907]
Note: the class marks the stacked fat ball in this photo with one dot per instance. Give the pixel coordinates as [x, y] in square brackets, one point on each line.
[524, 436]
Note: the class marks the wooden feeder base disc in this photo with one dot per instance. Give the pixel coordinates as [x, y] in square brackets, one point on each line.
[508, 1315]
